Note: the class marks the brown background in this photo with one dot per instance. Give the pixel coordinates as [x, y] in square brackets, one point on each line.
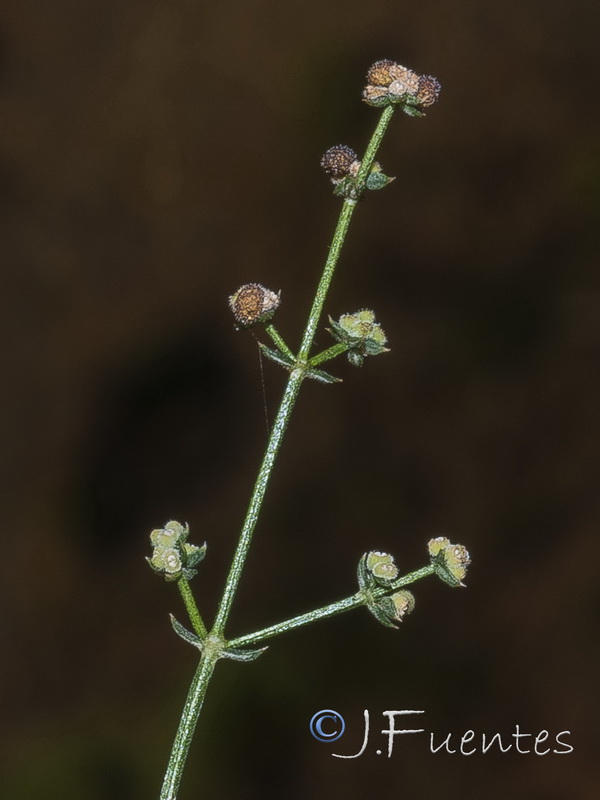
[153, 157]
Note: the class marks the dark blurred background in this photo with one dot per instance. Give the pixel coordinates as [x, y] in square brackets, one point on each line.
[154, 156]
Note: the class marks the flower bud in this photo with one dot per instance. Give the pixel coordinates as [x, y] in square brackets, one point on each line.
[389, 83]
[381, 72]
[167, 560]
[340, 162]
[172, 555]
[170, 535]
[392, 609]
[428, 90]
[252, 303]
[381, 566]
[450, 560]
[361, 333]
[405, 83]
[404, 602]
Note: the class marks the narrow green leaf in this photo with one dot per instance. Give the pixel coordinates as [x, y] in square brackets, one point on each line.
[186, 635]
[276, 356]
[322, 376]
[237, 654]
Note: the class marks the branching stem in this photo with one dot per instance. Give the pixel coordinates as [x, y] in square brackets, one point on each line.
[331, 610]
[195, 698]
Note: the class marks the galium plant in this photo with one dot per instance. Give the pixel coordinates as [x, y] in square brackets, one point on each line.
[381, 588]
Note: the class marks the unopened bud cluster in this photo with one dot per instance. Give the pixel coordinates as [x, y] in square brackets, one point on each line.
[252, 303]
[362, 335]
[172, 556]
[389, 83]
[449, 560]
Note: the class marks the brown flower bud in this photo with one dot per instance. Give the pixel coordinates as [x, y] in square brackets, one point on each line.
[428, 90]
[375, 95]
[338, 161]
[253, 303]
[405, 82]
[380, 73]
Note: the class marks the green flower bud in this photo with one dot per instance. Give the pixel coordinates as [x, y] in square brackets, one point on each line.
[382, 567]
[404, 602]
[168, 561]
[361, 333]
[170, 535]
[392, 609]
[172, 555]
[450, 560]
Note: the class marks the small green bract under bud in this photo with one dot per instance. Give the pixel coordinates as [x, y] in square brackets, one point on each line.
[252, 303]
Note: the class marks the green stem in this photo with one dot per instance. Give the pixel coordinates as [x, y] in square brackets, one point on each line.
[187, 725]
[373, 146]
[197, 691]
[340, 235]
[192, 608]
[331, 352]
[331, 610]
[260, 487]
[278, 341]
[293, 385]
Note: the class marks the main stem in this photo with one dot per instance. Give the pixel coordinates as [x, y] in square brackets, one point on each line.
[187, 726]
[203, 674]
[293, 385]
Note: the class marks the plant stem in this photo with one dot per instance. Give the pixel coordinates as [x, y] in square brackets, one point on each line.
[340, 235]
[293, 385]
[187, 725]
[279, 427]
[331, 610]
[278, 341]
[331, 352]
[192, 608]
[197, 690]
[373, 146]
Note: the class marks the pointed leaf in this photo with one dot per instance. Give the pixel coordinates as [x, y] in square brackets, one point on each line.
[322, 376]
[365, 579]
[383, 612]
[237, 654]
[277, 356]
[194, 554]
[443, 572]
[186, 635]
